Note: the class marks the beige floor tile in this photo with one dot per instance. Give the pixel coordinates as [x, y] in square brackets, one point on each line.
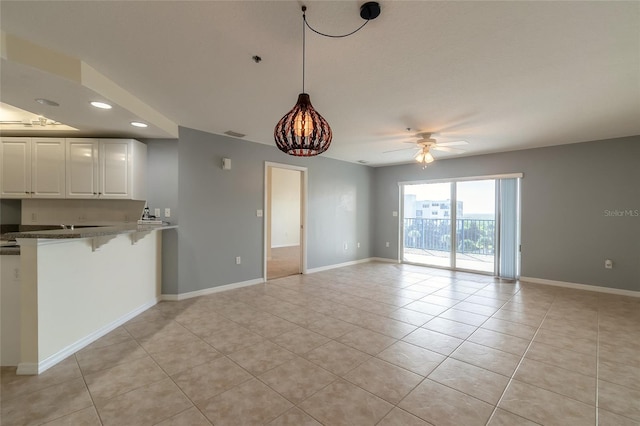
[449, 327]
[251, 403]
[451, 294]
[398, 417]
[207, 380]
[207, 325]
[475, 308]
[620, 354]
[383, 379]
[149, 404]
[300, 340]
[568, 342]
[413, 358]
[607, 418]
[367, 341]
[482, 384]
[166, 338]
[426, 308]
[440, 300]
[189, 417]
[492, 302]
[505, 418]
[233, 339]
[621, 374]
[619, 399]
[141, 329]
[297, 379]
[46, 404]
[433, 341]
[14, 386]
[106, 384]
[500, 341]
[555, 379]
[526, 318]
[183, 357]
[488, 358]
[96, 359]
[464, 317]
[336, 357]
[261, 357]
[389, 327]
[331, 327]
[294, 417]
[545, 407]
[272, 326]
[512, 328]
[570, 360]
[118, 335]
[301, 316]
[85, 417]
[342, 403]
[441, 405]
[410, 317]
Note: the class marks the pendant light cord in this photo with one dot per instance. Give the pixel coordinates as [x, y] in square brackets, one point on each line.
[304, 18]
[304, 43]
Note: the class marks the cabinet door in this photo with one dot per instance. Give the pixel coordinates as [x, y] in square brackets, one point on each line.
[82, 168]
[15, 176]
[115, 169]
[47, 168]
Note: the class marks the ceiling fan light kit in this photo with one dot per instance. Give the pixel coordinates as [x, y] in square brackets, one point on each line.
[303, 132]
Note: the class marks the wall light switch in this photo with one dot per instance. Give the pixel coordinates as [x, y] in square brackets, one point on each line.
[259, 213]
[238, 260]
[395, 214]
[608, 263]
[167, 212]
[386, 244]
[156, 212]
[358, 245]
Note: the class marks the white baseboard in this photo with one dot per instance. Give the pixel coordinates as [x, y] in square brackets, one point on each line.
[576, 286]
[339, 265]
[285, 245]
[384, 259]
[204, 292]
[29, 368]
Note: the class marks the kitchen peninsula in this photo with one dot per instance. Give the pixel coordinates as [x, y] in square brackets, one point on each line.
[79, 284]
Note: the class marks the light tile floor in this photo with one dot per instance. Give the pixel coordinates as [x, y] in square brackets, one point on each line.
[373, 344]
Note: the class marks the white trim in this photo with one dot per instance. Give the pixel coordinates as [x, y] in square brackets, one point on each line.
[285, 245]
[339, 265]
[30, 368]
[211, 290]
[465, 178]
[384, 259]
[587, 287]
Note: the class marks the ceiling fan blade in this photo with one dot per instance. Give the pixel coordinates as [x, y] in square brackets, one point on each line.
[395, 150]
[447, 149]
[454, 143]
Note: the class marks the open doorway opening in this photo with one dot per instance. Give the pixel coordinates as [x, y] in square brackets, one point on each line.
[284, 221]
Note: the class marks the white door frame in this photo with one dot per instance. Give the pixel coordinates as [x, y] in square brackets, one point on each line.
[303, 214]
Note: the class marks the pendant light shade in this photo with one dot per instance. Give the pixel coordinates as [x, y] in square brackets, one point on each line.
[302, 131]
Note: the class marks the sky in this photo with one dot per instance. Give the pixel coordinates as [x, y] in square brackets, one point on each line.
[478, 196]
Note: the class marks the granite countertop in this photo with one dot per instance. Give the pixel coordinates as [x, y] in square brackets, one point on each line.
[98, 231]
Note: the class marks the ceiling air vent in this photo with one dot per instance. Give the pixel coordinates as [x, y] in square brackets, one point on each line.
[234, 134]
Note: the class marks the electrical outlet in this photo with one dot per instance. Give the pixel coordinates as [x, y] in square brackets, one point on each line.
[238, 260]
[167, 212]
[259, 213]
[394, 214]
[34, 217]
[608, 264]
[156, 212]
[386, 244]
[16, 273]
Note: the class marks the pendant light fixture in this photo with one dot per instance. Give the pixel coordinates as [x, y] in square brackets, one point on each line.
[424, 157]
[303, 132]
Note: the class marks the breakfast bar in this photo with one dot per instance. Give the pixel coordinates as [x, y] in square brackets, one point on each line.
[78, 284]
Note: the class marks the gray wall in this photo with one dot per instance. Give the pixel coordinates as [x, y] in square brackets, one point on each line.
[218, 209]
[162, 191]
[566, 233]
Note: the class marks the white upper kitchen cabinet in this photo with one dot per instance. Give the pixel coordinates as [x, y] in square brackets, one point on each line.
[32, 168]
[106, 169]
[82, 168]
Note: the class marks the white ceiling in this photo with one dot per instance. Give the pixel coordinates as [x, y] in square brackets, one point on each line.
[500, 75]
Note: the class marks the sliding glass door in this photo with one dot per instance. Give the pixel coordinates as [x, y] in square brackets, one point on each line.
[467, 224]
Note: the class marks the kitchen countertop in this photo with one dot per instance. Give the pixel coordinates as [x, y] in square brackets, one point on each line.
[98, 231]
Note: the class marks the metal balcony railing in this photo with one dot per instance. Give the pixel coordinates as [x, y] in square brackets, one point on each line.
[473, 236]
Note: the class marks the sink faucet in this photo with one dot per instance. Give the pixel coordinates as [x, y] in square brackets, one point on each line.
[65, 226]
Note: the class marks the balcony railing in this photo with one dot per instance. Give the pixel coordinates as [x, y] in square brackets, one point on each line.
[473, 236]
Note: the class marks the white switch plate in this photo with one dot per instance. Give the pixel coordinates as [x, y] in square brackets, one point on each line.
[386, 244]
[358, 245]
[238, 260]
[259, 213]
[608, 263]
[395, 214]
[167, 212]
[346, 247]
[156, 212]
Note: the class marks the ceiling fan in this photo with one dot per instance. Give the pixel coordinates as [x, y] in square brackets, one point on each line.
[425, 144]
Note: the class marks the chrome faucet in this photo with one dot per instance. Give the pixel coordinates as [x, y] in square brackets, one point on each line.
[65, 226]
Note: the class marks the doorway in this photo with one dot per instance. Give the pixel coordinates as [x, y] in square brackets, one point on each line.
[284, 220]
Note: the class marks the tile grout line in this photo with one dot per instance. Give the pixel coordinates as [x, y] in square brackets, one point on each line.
[495, 408]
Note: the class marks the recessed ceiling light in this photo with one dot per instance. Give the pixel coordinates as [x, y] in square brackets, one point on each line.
[101, 105]
[43, 101]
[138, 124]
